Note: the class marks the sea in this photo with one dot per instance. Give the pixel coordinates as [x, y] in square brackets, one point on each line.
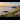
[9, 9]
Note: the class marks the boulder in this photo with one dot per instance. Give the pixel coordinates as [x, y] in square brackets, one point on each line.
[5, 11]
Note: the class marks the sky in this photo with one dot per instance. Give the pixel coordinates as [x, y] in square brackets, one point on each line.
[9, 3]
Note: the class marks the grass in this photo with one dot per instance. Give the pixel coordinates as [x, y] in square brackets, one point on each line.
[11, 14]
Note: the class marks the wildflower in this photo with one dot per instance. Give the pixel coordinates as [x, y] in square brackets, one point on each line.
[17, 13]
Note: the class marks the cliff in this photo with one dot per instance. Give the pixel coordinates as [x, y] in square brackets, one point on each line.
[18, 7]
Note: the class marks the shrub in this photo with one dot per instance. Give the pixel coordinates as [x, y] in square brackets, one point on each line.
[2, 15]
[16, 11]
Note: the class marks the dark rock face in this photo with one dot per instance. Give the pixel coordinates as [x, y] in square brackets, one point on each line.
[5, 11]
[14, 7]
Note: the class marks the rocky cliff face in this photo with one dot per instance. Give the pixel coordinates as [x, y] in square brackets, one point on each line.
[18, 7]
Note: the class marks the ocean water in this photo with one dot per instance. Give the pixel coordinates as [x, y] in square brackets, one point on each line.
[6, 9]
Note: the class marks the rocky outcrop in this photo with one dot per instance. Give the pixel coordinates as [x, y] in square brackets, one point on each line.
[14, 7]
[5, 11]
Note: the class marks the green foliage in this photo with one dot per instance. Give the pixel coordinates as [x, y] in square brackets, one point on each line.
[17, 15]
[2, 15]
[18, 10]
[11, 14]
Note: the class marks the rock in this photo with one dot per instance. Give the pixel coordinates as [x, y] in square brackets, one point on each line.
[14, 7]
[5, 11]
